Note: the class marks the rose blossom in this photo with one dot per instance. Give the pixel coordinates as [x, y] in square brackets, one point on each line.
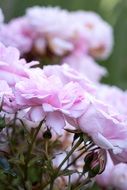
[86, 65]
[116, 98]
[96, 32]
[104, 126]
[32, 94]
[64, 32]
[44, 18]
[12, 68]
[67, 74]
[119, 176]
[113, 176]
[48, 97]
[16, 33]
[50, 26]
[53, 96]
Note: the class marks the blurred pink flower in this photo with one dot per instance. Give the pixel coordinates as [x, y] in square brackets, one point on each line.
[66, 32]
[51, 24]
[86, 66]
[16, 33]
[96, 32]
[12, 68]
[115, 97]
[67, 74]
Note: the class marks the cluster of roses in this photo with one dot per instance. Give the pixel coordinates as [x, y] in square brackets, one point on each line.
[67, 95]
[58, 34]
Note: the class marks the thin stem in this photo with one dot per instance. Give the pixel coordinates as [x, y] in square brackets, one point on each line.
[30, 150]
[51, 185]
[65, 159]
[47, 157]
[46, 148]
[82, 184]
[70, 153]
[84, 151]
[23, 125]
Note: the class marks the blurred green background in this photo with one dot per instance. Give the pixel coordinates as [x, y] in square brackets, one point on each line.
[113, 11]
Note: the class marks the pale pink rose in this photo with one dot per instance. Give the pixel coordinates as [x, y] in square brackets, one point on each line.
[37, 89]
[73, 100]
[16, 33]
[119, 176]
[48, 96]
[49, 21]
[65, 32]
[32, 94]
[115, 97]
[114, 176]
[96, 32]
[85, 65]
[12, 68]
[104, 127]
[68, 74]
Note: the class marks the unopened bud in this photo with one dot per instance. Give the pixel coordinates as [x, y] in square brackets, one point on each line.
[95, 162]
[47, 134]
